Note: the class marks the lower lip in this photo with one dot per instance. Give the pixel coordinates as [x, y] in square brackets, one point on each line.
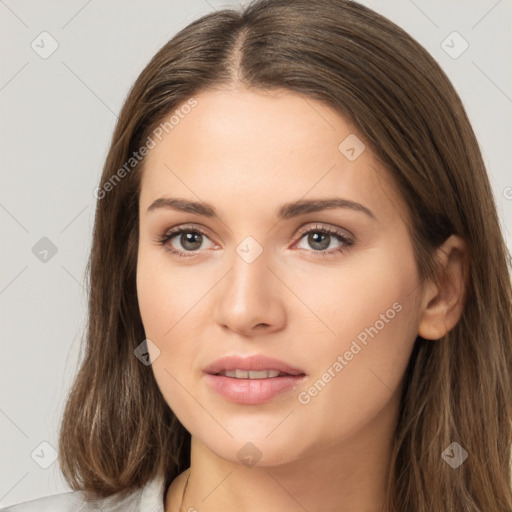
[252, 391]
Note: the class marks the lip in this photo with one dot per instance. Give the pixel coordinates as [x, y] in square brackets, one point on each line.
[252, 391]
[255, 363]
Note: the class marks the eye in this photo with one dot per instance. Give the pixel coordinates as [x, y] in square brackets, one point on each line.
[320, 238]
[190, 239]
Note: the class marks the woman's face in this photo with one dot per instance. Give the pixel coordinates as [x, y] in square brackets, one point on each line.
[263, 270]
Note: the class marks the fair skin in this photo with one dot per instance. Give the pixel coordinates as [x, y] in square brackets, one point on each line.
[247, 153]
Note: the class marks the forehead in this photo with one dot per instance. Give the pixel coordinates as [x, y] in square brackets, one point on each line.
[242, 148]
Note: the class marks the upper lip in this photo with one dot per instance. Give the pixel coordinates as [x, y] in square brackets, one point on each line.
[251, 363]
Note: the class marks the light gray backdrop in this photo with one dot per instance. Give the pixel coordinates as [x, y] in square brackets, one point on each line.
[66, 69]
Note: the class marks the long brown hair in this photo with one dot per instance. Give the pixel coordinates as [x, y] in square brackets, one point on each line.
[117, 430]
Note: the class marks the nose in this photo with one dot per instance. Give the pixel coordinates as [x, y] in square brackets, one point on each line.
[249, 300]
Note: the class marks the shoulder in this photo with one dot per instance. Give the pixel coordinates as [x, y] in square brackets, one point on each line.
[57, 502]
[149, 498]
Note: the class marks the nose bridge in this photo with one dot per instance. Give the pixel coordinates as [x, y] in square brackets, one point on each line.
[248, 296]
[248, 280]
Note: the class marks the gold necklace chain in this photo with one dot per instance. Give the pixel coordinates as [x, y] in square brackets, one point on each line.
[183, 496]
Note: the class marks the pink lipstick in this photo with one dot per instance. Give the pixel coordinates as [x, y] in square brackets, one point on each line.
[252, 380]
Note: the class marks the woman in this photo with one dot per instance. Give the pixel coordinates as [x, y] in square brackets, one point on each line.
[299, 292]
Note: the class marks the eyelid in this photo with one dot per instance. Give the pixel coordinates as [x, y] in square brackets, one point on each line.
[185, 227]
[334, 230]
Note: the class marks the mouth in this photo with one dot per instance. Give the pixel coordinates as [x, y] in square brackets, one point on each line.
[252, 380]
[256, 366]
[252, 374]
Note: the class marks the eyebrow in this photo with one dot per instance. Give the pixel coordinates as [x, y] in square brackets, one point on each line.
[286, 211]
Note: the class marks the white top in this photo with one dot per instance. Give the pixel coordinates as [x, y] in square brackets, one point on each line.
[149, 498]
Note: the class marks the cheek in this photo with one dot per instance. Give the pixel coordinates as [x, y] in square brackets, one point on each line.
[361, 363]
[373, 290]
[153, 299]
[175, 319]
[174, 312]
[159, 298]
[165, 294]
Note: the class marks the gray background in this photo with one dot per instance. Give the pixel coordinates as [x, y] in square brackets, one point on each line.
[57, 117]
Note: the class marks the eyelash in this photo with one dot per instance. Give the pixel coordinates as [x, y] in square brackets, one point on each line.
[347, 242]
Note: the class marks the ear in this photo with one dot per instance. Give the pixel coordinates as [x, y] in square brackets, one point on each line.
[443, 301]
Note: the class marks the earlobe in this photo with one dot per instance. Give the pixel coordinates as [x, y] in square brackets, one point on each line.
[443, 301]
